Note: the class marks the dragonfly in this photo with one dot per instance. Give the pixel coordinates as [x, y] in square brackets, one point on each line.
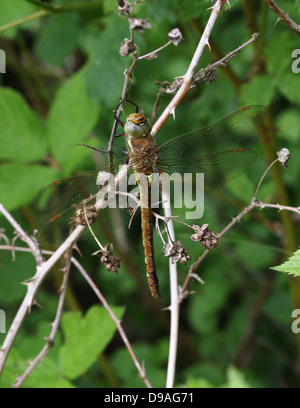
[217, 150]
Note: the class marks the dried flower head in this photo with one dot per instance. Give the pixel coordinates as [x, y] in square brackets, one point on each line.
[107, 259]
[176, 252]
[175, 36]
[139, 24]
[125, 8]
[127, 47]
[206, 236]
[284, 156]
[85, 213]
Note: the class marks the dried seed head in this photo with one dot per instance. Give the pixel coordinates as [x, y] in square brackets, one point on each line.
[127, 47]
[175, 36]
[176, 252]
[125, 8]
[139, 24]
[284, 156]
[107, 259]
[85, 213]
[206, 236]
[170, 87]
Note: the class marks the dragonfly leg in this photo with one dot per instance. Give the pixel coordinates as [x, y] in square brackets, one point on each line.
[123, 151]
[103, 151]
[120, 135]
[121, 122]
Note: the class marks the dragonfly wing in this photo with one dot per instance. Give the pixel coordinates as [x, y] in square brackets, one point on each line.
[220, 167]
[63, 194]
[58, 229]
[215, 149]
[226, 133]
[61, 199]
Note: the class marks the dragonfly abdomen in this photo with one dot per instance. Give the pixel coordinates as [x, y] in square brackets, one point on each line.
[147, 235]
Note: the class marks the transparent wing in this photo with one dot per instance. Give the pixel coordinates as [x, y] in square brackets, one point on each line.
[215, 149]
[61, 200]
[63, 194]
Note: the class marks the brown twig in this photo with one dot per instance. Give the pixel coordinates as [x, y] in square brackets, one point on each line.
[187, 79]
[282, 16]
[55, 325]
[23, 236]
[170, 110]
[254, 203]
[117, 322]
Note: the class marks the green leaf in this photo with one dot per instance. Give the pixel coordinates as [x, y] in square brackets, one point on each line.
[57, 38]
[289, 85]
[104, 72]
[22, 134]
[192, 8]
[72, 117]
[14, 10]
[259, 91]
[242, 188]
[85, 338]
[278, 51]
[235, 379]
[19, 183]
[291, 266]
[47, 374]
[288, 124]
[12, 290]
[198, 383]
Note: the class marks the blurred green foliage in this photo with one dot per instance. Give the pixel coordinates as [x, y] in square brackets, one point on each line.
[64, 78]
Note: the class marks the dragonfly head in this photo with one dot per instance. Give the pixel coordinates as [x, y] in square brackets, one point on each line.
[137, 125]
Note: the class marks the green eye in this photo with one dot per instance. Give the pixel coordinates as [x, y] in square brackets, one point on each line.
[137, 130]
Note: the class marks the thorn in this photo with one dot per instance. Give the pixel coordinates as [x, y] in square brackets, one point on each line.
[78, 250]
[197, 278]
[277, 21]
[35, 303]
[208, 45]
[172, 112]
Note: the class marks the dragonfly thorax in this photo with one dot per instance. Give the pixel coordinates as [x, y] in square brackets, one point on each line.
[137, 125]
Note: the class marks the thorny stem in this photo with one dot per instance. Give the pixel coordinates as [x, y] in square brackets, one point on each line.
[22, 235]
[155, 51]
[117, 322]
[42, 271]
[128, 75]
[90, 229]
[263, 176]
[55, 325]
[255, 203]
[187, 79]
[33, 286]
[282, 16]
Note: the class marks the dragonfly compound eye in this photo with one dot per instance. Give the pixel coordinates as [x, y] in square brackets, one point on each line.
[137, 125]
